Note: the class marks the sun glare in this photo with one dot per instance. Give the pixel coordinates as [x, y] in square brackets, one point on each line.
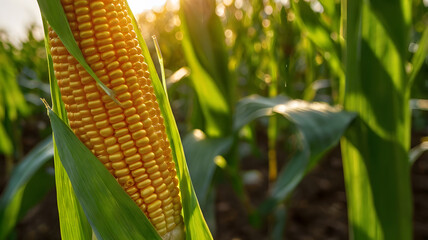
[139, 6]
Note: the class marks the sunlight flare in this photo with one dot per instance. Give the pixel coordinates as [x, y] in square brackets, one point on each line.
[139, 6]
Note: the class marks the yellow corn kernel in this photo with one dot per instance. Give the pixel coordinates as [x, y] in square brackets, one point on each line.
[130, 140]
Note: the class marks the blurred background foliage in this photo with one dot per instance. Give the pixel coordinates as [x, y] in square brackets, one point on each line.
[23, 81]
[216, 54]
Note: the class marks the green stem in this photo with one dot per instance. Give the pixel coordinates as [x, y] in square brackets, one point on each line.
[375, 148]
[273, 92]
[162, 68]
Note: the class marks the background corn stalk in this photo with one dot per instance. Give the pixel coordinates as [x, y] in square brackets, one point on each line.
[375, 148]
[216, 102]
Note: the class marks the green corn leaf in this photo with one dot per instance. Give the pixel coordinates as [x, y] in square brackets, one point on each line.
[16, 192]
[72, 219]
[375, 148]
[200, 153]
[110, 211]
[204, 31]
[196, 227]
[419, 57]
[161, 65]
[253, 107]
[206, 55]
[395, 17]
[320, 128]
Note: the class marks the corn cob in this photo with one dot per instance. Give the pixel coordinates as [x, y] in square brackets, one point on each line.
[130, 140]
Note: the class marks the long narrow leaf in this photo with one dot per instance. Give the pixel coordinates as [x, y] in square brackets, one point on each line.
[375, 149]
[200, 153]
[110, 211]
[320, 128]
[205, 52]
[419, 57]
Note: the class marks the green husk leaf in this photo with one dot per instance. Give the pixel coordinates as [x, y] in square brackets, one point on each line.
[110, 211]
[162, 68]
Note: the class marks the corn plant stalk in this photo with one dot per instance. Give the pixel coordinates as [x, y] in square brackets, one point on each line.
[272, 130]
[375, 149]
[206, 54]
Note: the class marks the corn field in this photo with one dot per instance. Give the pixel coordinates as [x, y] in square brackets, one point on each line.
[216, 119]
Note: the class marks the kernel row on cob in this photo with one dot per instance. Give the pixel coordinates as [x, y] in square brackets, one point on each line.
[130, 140]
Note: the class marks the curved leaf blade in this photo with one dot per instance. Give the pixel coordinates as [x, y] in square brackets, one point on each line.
[320, 128]
[253, 107]
[200, 153]
[110, 211]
